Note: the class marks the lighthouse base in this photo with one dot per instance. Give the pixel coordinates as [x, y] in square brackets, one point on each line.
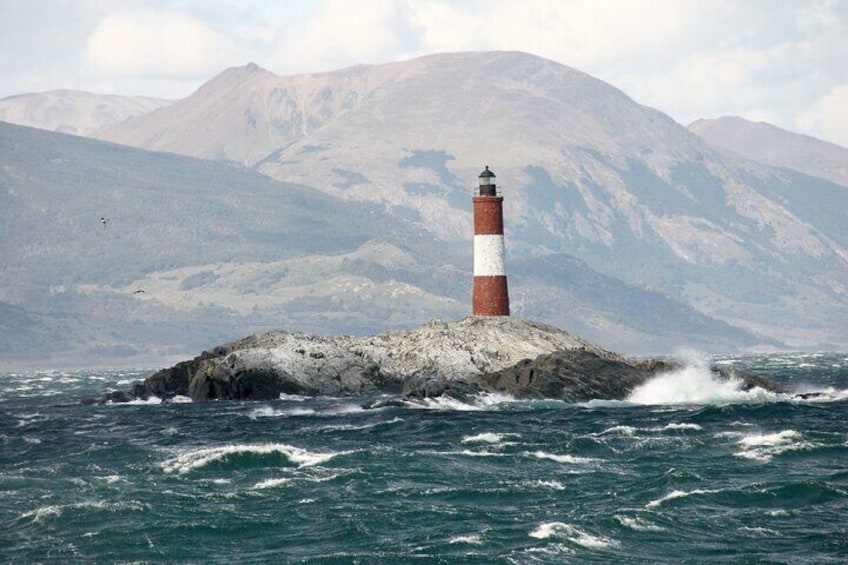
[490, 296]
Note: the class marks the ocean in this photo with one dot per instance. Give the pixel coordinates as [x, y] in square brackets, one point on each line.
[687, 470]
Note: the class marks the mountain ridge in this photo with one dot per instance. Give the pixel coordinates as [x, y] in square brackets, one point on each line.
[72, 111]
[585, 172]
[194, 252]
[775, 146]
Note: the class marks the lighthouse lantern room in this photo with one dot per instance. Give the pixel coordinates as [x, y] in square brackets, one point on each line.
[490, 296]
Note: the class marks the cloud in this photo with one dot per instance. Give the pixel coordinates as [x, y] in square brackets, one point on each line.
[779, 61]
[579, 33]
[148, 42]
[345, 32]
[828, 116]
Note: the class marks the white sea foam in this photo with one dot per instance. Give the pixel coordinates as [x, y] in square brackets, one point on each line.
[469, 453]
[137, 401]
[768, 440]
[552, 485]
[765, 446]
[56, 510]
[778, 512]
[482, 401]
[271, 483]
[696, 384]
[488, 437]
[622, 430]
[764, 532]
[638, 524]
[270, 412]
[678, 494]
[684, 426]
[563, 458]
[293, 397]
[357, 427]
[198, 458]
[447, 403]
[553, 550]
[562, 530]
[43, 512]
[474, 539]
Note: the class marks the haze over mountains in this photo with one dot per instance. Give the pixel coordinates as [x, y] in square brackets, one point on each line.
[775, 146]
[71, 111]
[621, 225]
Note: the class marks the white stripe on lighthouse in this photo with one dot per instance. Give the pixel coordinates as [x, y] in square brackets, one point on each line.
[489, 255]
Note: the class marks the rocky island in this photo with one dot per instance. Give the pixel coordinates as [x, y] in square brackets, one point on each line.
[521, 358]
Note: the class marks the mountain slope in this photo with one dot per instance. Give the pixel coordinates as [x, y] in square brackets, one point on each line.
[63, 265]
[775, 146]
[584, 170]
[191, 252]
[75, 112]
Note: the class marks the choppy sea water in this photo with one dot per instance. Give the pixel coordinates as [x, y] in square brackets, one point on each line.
[686, 471]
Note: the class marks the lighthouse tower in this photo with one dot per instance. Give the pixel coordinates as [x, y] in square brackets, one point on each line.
[490, 296]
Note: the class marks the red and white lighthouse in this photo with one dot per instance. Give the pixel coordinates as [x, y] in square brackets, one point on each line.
[490, 296]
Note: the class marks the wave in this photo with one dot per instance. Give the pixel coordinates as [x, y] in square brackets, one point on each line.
[42, 513]
[489, 437]
[199, 458]
[675, 426]
[547, 485]
[695, 383]
[477, 403]
[765, 446]
[638, 524]
[562, 530]
[332, 410]
[571, 459]
[271, 483]
[358, 427]
[474, 539]
[270, 412]
[675, 494]
[619, 430]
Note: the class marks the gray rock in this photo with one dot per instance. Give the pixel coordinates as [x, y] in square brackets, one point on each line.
[458, 359]
[574, 376]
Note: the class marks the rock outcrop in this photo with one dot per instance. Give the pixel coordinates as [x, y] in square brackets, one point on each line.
[521, 358]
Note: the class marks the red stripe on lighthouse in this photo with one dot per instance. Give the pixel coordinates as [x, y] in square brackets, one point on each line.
[490, 296]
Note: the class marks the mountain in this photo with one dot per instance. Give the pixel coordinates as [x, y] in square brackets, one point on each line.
[84, 223]
[120, 256]
[775, 146]
[586, 172]
[75, 112]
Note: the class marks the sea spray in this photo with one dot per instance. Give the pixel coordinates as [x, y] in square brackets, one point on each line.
[696, 383]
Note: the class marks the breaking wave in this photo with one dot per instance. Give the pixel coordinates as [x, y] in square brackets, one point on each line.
[695, 383]
[565, 531]
[199, 458]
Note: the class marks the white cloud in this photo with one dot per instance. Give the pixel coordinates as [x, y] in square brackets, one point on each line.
[579, 33]
[345, 32]
[828, 116]
[780, 61]
[147, 42]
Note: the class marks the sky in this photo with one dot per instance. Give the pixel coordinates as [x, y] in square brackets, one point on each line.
[780, 61]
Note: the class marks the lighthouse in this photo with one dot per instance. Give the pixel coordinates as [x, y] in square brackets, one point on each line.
[490, 296]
